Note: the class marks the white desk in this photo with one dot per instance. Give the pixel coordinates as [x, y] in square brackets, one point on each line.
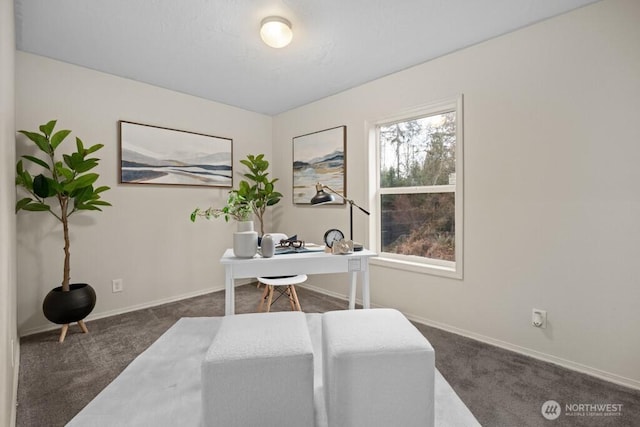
[302, 263]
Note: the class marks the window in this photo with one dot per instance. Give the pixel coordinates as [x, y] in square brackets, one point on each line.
[418, 207]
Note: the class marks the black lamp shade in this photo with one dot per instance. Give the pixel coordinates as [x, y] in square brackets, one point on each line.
[322, 197]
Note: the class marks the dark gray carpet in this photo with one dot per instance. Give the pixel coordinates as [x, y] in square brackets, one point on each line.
[501, 388]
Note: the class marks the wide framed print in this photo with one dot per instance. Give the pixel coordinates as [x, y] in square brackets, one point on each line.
[319, 157]
[157, 155]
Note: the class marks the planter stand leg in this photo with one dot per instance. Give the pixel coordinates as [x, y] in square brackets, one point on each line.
[83, 327]
[65, 328]
[63, 332]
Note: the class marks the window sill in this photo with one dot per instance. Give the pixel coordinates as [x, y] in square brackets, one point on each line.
[417, 267]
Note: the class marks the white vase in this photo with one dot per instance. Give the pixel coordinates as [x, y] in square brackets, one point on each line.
[244, 226]
[245, 240]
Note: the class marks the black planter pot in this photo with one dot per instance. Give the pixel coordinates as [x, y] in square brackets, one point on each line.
[68, 307]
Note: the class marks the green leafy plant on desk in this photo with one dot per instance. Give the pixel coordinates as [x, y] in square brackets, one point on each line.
[255, 195]
[237, 208]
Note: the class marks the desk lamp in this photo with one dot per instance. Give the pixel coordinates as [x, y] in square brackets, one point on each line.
[323, 197]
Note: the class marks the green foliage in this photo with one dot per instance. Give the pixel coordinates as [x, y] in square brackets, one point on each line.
[68, 181]
[256, 194]
[237, 208]
[260, 193]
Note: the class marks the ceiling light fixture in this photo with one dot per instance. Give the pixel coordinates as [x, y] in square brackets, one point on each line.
[275, 31]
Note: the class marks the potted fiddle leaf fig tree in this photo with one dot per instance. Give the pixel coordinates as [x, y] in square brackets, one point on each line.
[62, 188]
[260, 192]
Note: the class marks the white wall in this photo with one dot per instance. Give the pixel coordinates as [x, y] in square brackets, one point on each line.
[552, 205]
[8, 351]
[146, 238]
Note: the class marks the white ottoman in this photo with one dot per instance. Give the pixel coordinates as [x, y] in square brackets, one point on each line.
[259, 371]
[378, 370]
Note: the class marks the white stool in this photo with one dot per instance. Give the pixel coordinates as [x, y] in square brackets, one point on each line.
[271, 283]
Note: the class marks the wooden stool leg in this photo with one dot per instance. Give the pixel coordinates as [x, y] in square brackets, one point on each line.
[293, 305]
[83, 327]
[295, 297]
[63, 332]
[264, 296]
[270, 297]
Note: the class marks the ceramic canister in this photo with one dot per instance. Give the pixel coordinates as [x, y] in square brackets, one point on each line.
[268, 246]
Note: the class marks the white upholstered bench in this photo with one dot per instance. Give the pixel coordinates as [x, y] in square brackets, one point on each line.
[259, 372]
[378, 370]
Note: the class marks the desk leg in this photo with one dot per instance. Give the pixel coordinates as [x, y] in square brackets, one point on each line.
[366, 297]
[229, 291]
[352, 290]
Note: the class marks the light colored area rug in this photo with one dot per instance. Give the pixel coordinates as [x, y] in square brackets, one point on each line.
[161, 387]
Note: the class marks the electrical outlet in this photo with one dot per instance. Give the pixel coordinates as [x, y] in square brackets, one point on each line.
[539, 318]
[117, 285]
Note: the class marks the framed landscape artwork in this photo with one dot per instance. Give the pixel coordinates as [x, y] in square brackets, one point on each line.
[319, 157]
[157, 155]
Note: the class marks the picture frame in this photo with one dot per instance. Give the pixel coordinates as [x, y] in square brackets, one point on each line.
[320, 157]
[164, 156]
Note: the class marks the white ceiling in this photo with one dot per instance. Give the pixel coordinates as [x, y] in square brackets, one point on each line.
[212, 48]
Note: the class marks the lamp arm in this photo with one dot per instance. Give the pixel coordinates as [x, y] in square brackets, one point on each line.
[362, 209]
[334, 192]
[350, 201]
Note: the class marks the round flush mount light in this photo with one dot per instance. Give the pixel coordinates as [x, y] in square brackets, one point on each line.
[276, 31]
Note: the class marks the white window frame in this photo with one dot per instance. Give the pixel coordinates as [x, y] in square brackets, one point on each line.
[452, 269]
